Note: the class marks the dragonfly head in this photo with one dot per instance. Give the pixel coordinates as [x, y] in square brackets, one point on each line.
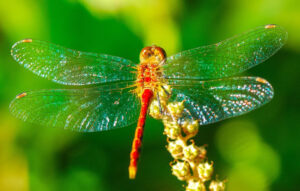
[152, 54]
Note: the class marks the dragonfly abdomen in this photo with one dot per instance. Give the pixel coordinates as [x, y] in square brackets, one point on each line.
[137, 141]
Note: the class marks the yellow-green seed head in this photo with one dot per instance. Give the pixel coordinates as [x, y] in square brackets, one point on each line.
[205, 171]
[194, 185]
[203, 152]
[217, 185]
[191, 152]
[181, 170]
[176, 148]
[175, 108]
[172, 129]
[190, 127]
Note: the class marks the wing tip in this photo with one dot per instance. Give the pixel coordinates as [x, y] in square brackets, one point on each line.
[270, 26]
[266, 83]
[281, 30]
[277, 33]
[261, 80]
[13, 106]
[21, 95]
[26, 40]
[13, 48]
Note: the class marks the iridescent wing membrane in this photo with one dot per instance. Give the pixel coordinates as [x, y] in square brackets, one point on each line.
[215, 100]
[226, 58]
[71, 67]
[194, 75]
[95, 108]
[85, 110]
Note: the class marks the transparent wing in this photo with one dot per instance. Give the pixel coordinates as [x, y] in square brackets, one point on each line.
[215, 100]
[85, 110]
[70, 67]
[228, 57]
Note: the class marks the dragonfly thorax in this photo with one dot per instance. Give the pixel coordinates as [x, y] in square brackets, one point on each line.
[149, 72]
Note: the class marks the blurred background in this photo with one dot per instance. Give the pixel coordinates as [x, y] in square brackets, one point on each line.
[256, 152]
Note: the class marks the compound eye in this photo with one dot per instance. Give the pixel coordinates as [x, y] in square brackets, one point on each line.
[145, 53]
[160, 54]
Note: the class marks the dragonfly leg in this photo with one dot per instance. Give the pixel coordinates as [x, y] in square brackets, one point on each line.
[159, 105]
[168, 93]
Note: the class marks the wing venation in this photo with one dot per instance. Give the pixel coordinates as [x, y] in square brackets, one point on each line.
[227, 58]
[71, 67]
[215, 100]
[84, 110]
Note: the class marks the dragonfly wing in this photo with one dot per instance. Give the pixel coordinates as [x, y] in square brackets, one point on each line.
[71, 67]
[84, 110]
[228, 57]
[214, 100]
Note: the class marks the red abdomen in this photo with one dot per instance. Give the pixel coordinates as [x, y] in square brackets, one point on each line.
[137, 141]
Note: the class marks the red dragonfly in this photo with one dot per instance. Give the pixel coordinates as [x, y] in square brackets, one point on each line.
[117, 92]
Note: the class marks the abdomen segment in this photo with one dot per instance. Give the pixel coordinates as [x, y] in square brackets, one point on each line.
[137, 141]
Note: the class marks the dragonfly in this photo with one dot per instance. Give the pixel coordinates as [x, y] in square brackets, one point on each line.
[108, 92]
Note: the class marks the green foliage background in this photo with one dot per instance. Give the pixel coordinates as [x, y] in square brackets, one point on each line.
[258, 151]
